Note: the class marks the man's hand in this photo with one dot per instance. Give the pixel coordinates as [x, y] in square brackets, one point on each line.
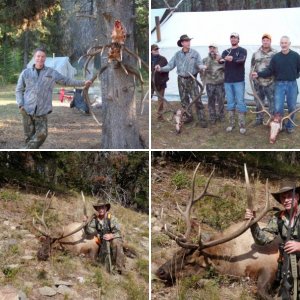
[87, 84]
[292, 247]
[228, 58]
[85, 218]
[249, 215]
[108, 236]
[254, 74]
[21, 108]
[157, 68]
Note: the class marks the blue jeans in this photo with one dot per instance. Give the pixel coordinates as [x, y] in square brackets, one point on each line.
[235, 96]
[288, 90]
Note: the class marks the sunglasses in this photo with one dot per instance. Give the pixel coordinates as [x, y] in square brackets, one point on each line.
[155, 49]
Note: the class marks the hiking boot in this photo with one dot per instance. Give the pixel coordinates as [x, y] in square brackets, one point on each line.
[242, 123]
[231, 121]
[202, 118]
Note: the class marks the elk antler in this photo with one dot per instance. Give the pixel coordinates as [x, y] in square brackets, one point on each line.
[47, 232]
[289, 117]
[181, 241]
[192, 200]
[258, 98]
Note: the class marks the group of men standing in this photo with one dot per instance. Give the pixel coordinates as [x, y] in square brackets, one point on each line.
[274, 74]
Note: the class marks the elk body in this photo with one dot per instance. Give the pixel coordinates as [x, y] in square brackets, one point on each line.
[240, 257]
[71, 238]
[232, 252]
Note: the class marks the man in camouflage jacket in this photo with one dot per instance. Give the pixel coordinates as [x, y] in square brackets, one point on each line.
[187, 61]
[264, 86]
[107, 229]
[34, 97]
[279, 223]
[213, 77]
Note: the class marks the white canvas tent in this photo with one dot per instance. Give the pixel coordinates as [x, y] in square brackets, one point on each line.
[60, 64]
[208, 27]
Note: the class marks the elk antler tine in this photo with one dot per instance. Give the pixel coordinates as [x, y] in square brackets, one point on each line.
[193, 181]
[248, 189]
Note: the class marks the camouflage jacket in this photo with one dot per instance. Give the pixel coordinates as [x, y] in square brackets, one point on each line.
[185, 62]
[34, 92]
[266, 235]
[101, 227]
[214, 74]
[261, 60]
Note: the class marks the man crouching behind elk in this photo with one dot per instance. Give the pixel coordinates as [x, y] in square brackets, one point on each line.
[106, 227]
[286, 224]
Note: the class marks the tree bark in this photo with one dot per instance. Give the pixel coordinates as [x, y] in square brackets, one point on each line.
[120, 128]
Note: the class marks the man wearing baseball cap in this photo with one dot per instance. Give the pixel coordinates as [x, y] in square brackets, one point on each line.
[234, 59]
[160, 79]
[213, 77]
[263, 86]
[187, 61]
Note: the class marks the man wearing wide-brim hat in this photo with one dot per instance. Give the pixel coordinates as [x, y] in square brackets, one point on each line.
[106, 227]
[187, 61]
[288, 196]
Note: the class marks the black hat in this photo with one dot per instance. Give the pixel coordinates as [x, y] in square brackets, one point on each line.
[184, 37]
[285, 186]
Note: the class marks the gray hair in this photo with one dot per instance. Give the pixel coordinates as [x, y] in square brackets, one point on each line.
[285, 37]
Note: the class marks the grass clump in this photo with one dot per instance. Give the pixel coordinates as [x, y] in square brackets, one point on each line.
[180, 179]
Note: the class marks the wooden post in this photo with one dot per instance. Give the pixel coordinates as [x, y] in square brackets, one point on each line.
[157, 25]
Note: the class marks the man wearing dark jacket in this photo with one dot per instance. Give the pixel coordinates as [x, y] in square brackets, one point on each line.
[285, 67]
[160, 79]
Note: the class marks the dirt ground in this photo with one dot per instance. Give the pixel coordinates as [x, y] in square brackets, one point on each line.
[67, 128]
[163, 135]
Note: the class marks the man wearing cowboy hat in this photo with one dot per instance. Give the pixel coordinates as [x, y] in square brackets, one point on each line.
[279, 224]
[213, 76]
[107, 228]
[187, 61]
[263, 86]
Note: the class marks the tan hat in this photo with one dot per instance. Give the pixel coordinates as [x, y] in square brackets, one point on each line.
[266, 35]
[99, 204]
[213, 45]
[235, 35]
[285, 186]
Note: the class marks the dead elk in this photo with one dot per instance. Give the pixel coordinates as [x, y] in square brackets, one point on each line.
[274, 122]
[71, 238]
[232, 252]
[181, 115]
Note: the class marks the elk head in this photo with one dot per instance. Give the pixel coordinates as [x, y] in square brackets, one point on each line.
[181, 115]
[274, 122]
[47, 238]
[192, 258]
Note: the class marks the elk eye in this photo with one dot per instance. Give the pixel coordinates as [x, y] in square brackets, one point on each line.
[161, 272]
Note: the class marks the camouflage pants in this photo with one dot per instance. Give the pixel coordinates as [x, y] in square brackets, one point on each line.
[188, 91]
[35, 130]
[216, 96]
[160, 102]
[117, 253]
[265, 92]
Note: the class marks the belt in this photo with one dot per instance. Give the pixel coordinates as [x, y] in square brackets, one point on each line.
[186, 77]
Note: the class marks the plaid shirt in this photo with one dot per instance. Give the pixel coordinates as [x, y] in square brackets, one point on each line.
[34, 92]
[185, 62]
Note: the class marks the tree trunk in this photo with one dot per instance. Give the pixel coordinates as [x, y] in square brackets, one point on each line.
[120, 129]
[26, 48]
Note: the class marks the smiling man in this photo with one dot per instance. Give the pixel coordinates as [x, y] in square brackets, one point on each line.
[34, 97]
[285, 67]
[288, 197]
